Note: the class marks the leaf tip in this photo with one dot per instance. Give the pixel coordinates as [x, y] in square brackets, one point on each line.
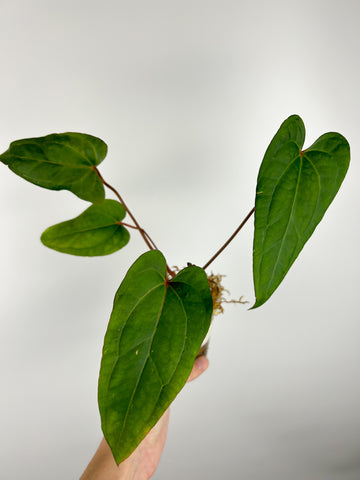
[258, 303]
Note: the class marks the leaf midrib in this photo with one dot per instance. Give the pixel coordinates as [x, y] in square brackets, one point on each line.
[146, 357]
[302, 157]
[290, 217]
[46, 162]
[63, 145]
[183, 348]
[89, 230]
[128, 315]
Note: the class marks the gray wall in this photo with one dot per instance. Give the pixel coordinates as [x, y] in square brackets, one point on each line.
[187, 95]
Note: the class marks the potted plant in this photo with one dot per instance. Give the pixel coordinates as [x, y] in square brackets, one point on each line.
[160, 316]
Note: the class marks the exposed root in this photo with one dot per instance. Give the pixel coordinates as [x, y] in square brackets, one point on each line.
[217, 292]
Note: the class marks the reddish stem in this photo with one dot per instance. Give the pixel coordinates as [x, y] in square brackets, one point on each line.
[145, 236]
[230, 239]
[147, 239]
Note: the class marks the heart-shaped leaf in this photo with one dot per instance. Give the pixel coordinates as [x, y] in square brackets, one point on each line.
[97, 231]
[60, 161]
[154, 334]
[294, 189]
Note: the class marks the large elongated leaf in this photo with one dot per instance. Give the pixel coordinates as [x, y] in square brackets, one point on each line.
[97, 231]
[154, 334]
[60, 161]
[294, 189]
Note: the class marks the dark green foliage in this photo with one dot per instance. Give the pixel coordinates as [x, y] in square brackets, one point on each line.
[154, 334]
[65, 161]
[97, 231]
[294, 189]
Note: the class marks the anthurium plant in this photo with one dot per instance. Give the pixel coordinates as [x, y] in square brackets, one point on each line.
[160, 317]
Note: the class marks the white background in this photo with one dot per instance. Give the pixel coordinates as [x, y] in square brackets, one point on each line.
[187, 95]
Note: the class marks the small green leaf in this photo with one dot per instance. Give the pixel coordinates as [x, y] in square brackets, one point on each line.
[155, 331]
[60, 161]
[95, 232]
[294, 190]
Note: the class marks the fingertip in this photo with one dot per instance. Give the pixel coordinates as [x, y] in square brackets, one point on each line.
[201, 363]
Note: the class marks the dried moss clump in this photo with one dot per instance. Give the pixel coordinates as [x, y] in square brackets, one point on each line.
[217, 292]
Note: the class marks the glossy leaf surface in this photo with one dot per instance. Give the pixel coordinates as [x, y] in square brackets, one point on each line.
[154, 334]
[294, 189]
[63, 161]
[95, 232]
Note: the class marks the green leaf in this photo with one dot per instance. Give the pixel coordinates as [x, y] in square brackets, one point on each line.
[154, 334]
[64, 161]
[95, 232]
[294, 189]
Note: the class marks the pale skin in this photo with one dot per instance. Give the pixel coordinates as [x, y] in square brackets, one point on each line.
[142, 463]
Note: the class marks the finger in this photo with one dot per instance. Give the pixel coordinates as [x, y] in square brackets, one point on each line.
[200, 365]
